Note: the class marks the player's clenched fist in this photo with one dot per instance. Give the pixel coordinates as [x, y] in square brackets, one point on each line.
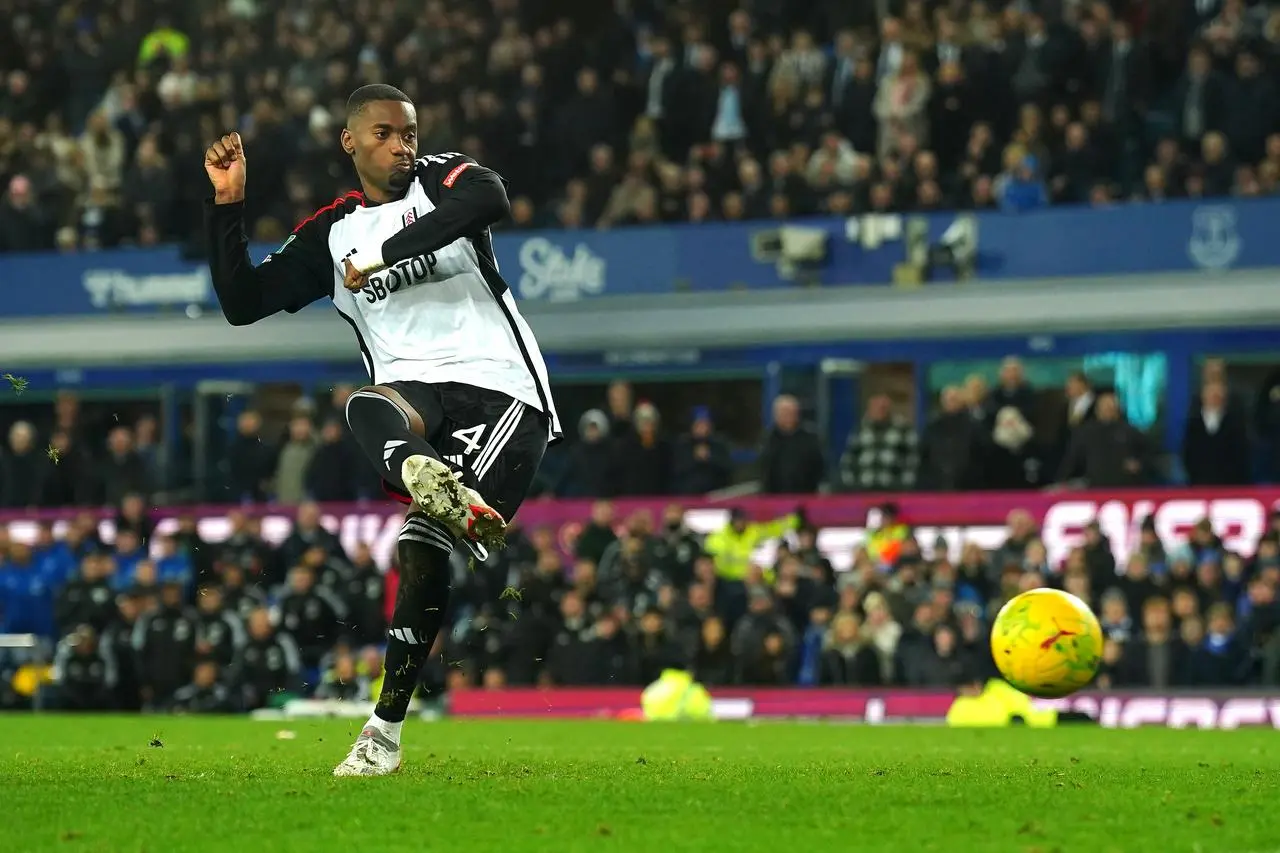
[224, 163]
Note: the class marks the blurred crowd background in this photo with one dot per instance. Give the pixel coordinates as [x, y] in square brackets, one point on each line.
[617, 114]
[999, 434]
[172, 622]
[636, 111]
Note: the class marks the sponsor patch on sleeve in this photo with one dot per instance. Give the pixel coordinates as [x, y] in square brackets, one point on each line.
[452, 177]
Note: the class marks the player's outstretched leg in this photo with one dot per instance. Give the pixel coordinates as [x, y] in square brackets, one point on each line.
[421, 602]
[405, 459]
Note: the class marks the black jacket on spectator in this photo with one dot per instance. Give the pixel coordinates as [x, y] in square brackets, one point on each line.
[85, 602]
[643, 469]
[66, 482]
[1228, 666]
[251, 463]
[22, 478]
[1100, 450]
[164, 642]
[715, 667]
[219, 636]
[300, 541]
[86, 678]
[267, 666]
[591, 471]
[1146, 664]
[593, 541]
[332, 474]
[857, 667]
[1218, 458]
[947, 452]
[792, 463]
[700, 466]
[363, 593]
[122, 475]
[117, 641]
[194, 699]
[311, 618]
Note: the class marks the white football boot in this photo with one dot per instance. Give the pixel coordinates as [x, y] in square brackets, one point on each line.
[435, 488]
[374, 754]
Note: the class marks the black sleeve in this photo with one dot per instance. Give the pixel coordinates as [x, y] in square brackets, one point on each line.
[291, 278]
[468, 199]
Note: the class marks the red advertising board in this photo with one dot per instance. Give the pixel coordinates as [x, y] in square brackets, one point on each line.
[1217, 710]
[1238, 515]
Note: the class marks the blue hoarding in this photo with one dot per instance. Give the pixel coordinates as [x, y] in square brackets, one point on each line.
[575, 265]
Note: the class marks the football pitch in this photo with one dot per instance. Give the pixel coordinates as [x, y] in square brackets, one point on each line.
[197, 784]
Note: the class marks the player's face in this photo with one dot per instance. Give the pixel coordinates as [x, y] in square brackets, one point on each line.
[383, 142]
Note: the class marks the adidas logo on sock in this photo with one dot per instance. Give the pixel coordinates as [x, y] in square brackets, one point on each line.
[389, 449]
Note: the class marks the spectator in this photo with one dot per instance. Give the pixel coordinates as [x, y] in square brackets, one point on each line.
[268, 668]
[123, 471]
[1215, 443]
[621, 404]
[294, 463]
[701, 458]
[22, 469]
[1010, 456]
[734, 544]
[713, 663]
[901, 105]
[65, 479]
[220, 633]
[363, 593]
[84, 672]
[333, 472]
[250, 461]
[103, 148]
[133, 517]
[25, 226]
[598, 534]
[1158, 656]
[848, 659]
[164, 642]
[1108, 451]
[591, 472]
[644, 456]
[308, 533]
[949, 450]
[205, 694]
[311, 615]
[1200, 97]
[881, 454]
[1019, 187]
[791, 461]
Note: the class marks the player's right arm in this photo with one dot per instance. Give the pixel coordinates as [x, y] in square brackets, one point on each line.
[295, 275]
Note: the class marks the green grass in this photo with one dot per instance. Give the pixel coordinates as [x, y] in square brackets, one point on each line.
[76, 784]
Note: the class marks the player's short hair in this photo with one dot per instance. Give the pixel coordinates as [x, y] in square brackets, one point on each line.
[366, 95]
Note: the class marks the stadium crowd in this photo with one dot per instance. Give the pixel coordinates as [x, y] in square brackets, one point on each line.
[173, 622]
[636, 111]
[997, 436]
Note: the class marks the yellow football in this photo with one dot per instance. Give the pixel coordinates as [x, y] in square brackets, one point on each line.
[1047, 643]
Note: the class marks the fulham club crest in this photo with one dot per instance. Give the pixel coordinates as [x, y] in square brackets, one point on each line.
[410, 216]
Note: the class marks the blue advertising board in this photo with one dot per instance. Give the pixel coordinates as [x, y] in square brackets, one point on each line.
[562, 266]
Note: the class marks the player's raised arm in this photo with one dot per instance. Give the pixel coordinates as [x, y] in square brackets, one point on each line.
[297, 274]
[469, 198]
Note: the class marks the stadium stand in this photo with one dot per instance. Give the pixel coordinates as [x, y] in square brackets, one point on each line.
[639, 113]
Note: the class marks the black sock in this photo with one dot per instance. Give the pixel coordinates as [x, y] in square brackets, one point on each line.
[383, 433]
[421, 601]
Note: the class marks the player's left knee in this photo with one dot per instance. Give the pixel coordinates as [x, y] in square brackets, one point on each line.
[381, 408]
